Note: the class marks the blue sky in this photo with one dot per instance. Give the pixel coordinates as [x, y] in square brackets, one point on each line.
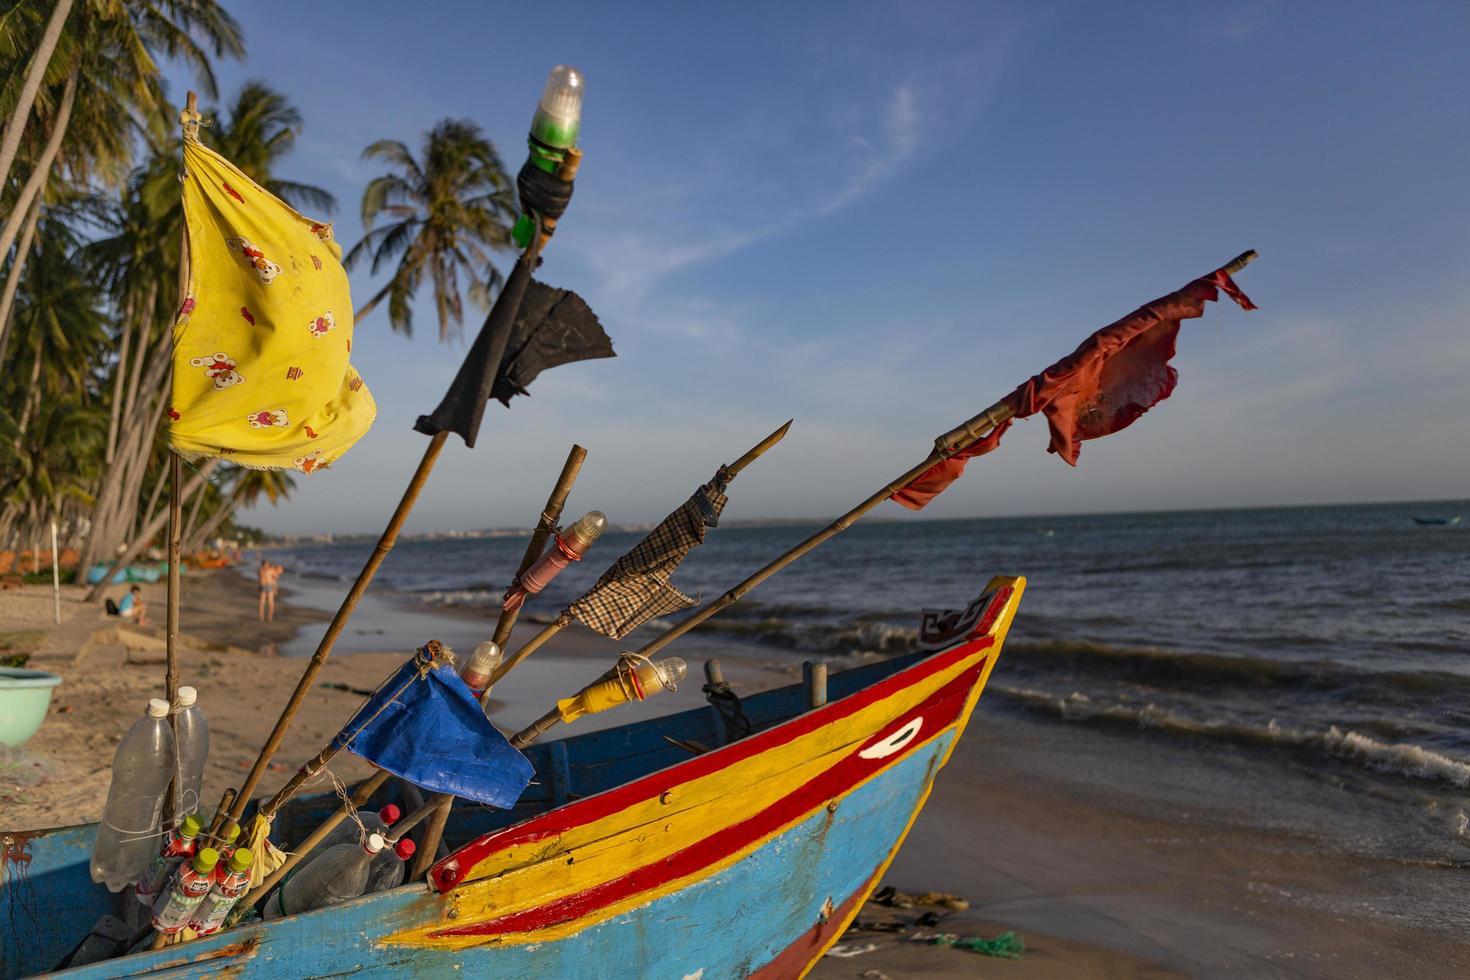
[880, 217]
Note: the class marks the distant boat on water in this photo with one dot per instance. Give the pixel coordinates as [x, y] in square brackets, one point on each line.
[1437, 521]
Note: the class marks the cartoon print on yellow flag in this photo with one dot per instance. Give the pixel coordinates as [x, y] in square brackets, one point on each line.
[261, 344]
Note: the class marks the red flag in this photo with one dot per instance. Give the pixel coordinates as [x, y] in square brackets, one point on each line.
[933, 481]
[1117, 374]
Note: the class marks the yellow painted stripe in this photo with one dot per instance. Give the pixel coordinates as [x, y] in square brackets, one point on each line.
[529, 875]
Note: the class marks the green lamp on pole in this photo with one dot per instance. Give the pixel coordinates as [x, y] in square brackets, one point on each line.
[553, 143]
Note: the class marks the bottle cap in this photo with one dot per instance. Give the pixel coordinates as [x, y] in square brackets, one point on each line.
[241, 859]
[187, 696]
[404, 849]
[193, 823]
[390, 814]
[232, 833]
[205, 860]
[157, 708]
[374, 843]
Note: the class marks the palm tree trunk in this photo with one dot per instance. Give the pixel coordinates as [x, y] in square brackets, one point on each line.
[151, 529]
[144, 335]
[12, 282]
[120, 373]
[188, 526]
[200, 539]
[32, 398]
[157, 493]
[114, 512]
[34, 75]
[42, 170]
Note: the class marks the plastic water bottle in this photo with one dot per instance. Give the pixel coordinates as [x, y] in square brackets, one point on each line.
[128, 833]
[336, 875]
[389, 867]
[178, 847]
[176, 905]
[191, 733]
[230, 882]
[346, 832]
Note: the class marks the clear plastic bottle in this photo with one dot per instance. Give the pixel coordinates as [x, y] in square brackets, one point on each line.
[346, 832]
[191, 733]
[336, 875]
[389, 867]
[128, 835]
[176, 904]
[178, 847]
[230, 882]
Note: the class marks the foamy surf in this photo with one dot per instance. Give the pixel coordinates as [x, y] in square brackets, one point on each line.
[1402, 759]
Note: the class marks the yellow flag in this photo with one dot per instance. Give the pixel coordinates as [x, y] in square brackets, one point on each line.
[261, 344]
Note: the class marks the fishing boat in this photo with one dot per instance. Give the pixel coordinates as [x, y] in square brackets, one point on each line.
[666, 848]
[1437, 521]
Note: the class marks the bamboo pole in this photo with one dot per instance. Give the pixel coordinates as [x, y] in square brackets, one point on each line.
[55, 574]
[992, 416]
[221, 813]
[565, 619]
[385, 544]
[426, 854]
[945, 446]
[364, 792]
[549, 516]
[171, 625]
[364, 578]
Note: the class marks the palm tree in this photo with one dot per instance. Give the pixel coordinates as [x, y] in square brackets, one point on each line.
[445, 211]
[260, 128]
[118, 38]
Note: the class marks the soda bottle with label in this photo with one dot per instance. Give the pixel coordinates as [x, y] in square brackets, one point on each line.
[230, 882]
[176, 904]
[177, 848]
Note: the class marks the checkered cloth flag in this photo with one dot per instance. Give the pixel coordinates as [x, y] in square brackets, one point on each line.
[636, 588]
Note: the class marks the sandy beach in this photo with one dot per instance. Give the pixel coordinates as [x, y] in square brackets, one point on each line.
[1026, 825]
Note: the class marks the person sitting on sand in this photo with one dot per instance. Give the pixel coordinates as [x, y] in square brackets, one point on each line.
[268, 575]
[133, 607]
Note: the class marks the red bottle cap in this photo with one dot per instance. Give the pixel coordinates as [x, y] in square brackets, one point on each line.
[404, 849]
[390, 813]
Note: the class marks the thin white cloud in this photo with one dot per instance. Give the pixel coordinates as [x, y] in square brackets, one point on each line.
[633, 251]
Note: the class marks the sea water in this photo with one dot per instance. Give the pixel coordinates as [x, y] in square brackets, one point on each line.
[1333, 641]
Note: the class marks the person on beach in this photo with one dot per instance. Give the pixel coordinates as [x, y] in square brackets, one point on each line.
[133, 607]
[268, 575]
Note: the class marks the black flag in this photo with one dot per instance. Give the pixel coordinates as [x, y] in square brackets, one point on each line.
[531, 327]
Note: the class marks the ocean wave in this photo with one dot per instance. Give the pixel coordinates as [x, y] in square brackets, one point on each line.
[1402, 759]
[1163, 667]
[471, 598]
[860, 637]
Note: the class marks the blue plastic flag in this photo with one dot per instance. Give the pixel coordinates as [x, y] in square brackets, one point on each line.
[424, 724]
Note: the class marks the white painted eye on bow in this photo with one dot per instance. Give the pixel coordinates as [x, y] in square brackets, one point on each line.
[896, 742]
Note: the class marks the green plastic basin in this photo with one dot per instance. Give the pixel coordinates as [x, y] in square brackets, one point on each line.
[24, 697]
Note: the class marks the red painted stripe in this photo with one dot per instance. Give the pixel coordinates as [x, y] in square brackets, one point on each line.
[595, 808]
[938, 711]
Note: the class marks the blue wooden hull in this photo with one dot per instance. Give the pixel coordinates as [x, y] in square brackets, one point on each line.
[727, 926]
